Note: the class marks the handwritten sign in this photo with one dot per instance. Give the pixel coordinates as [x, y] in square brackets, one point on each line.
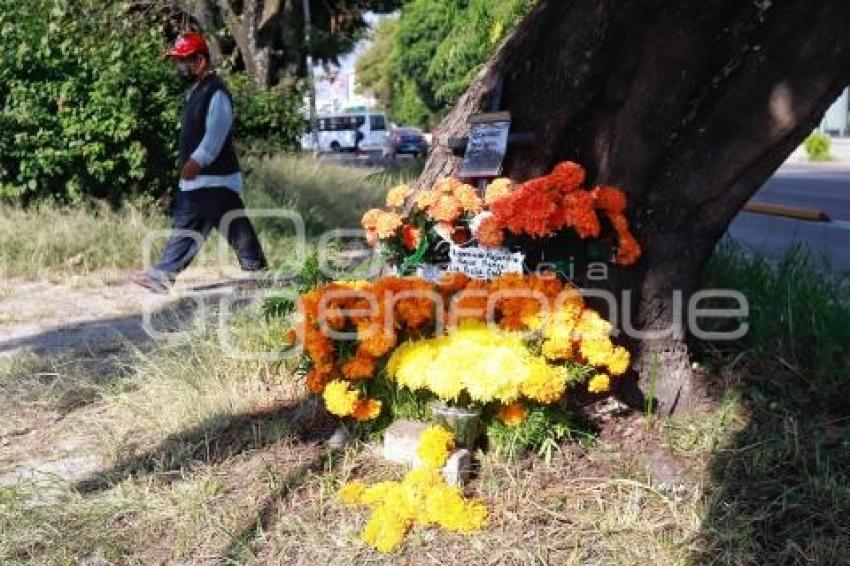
[484, 263]
[488, 142]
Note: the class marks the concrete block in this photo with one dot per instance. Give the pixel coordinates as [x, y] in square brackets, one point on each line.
[458, 467]
[401, 440]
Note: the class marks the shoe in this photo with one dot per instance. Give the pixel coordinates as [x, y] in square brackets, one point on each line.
[149, 282]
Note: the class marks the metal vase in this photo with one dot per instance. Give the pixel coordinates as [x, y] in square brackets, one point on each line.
[463, 422]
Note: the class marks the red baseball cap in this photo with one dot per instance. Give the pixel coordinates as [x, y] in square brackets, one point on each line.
[188, 44]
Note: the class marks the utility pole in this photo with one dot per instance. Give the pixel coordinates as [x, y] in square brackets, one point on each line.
[311, 81]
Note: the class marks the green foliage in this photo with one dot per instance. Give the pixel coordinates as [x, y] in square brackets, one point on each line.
[373, 67]
[437, 48]
[88, 105]
[543, 429]
[266, 120]
[798, 320]
[818, 146]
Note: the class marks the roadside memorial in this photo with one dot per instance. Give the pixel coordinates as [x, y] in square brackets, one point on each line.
[464, 333]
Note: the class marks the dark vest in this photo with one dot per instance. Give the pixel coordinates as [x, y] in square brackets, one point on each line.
[194, 125]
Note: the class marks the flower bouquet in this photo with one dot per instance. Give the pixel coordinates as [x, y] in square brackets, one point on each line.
[419, 228]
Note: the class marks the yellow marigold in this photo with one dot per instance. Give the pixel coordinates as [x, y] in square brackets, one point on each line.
[370, 218]
[599, 383]
[591, 326]
[445, 209]
[618, 361]
[434, 446]
[447, 507]
[497, 189]
[387, 224]
[339, 399]
[397, 195]
[366, 410]
[545, 383]
[386, 529]
[597, 351]
[351, 492]
[512, 414]
[468, 198]
[425, 199]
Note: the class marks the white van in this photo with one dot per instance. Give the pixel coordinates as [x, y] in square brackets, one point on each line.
[353, 131]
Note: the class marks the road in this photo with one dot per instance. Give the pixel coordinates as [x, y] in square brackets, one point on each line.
[823, 187]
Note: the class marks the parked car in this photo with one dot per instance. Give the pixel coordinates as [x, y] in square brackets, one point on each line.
[409, 141]
[356, 131]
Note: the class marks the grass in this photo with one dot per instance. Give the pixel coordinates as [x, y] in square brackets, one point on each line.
[206, 458]
[53, 241]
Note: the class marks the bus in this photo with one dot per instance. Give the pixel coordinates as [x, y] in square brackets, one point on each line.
[353, 131]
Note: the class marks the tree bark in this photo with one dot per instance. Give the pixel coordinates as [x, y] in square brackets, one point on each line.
[688, 106]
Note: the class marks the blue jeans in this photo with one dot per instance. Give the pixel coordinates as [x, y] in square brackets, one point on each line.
[199, 211]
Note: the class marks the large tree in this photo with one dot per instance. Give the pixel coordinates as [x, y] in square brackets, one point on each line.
[688, 106]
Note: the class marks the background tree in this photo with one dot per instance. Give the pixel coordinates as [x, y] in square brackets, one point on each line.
[421, 64]
[266, 37]
[687, 106]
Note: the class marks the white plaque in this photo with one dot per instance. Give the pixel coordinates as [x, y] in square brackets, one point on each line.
[484, 263]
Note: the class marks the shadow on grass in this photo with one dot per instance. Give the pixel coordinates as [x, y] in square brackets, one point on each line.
[779, 490]
[216, 440]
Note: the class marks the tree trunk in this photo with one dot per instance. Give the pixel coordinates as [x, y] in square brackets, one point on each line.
[688, 106]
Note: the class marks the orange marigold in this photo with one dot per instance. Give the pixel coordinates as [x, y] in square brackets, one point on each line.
[628, 248]
[567, 176]
[374, 340]
[578, 214]
[315, 382]
[361, 366]
[512, 414]
[609, 199]
[411, 236]
[489, 233]
[366, 409]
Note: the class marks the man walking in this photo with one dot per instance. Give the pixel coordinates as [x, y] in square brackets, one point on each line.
[210, 177]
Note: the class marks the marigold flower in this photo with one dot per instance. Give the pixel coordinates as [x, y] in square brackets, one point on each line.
[410, 237]
[609, 199]
[468, 199]
[315, 382]
[361, 366]
[386, 529]
[387, 224]
[397, 195]
[425, 199]
[339, 399]
[568, 176]
[445, 209]
[366, 410]
[512, 414]
[435, 445]
[497, 189]
[489, 233]
[599, 383]
[351, 492]
[370, 218]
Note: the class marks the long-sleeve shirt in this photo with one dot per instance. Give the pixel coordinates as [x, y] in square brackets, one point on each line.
[219, 121]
